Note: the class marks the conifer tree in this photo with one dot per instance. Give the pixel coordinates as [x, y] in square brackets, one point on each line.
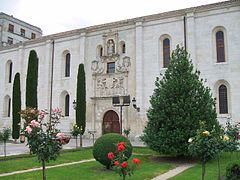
[179, 102]
[81, 101]
[32, 80]
[16, 107]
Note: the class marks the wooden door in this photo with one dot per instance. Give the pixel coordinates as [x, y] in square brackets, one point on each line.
[111, 122]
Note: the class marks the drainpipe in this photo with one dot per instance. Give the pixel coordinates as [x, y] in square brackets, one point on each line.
[51, 82]
[185, 31]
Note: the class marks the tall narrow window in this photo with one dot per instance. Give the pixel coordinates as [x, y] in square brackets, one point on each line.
[220, 46]
[33, 36]
[111, 67]
[101, 51]
[10, 40]
[10, 73]
[22, 32]
[166, 52]
[67, 65]
[9, 107]
[67, 105]
[10, 28]
[223, 99]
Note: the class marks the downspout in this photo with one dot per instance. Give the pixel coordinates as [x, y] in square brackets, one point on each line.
[185, 32]
[51, 83]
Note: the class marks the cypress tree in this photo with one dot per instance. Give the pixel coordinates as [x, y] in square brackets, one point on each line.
[81, 99]
[179, 102]
[32, 80]
[16, 107]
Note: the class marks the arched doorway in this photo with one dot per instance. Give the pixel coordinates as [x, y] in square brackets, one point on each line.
[110, 122]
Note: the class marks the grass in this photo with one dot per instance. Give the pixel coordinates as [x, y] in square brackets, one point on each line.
[26, 161]
[94, 170]
[211, 168]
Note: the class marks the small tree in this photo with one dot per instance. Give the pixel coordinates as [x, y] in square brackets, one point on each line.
[4, 136]
[81, 101]
[16, 107]
[204, 146]
[44, 139]
[75, 132]
[178, 102]
[32, 80]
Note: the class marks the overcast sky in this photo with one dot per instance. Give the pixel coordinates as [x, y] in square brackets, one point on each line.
[54, 16]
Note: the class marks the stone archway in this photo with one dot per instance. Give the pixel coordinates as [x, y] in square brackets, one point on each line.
[110, 122]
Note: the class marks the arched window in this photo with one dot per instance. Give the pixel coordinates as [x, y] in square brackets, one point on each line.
[223, 99]
[166, 52]
[122, 47]
[9, 107]
[220, 46]
[99, 51]
[66, 105]
[10, 72]
[67, 65]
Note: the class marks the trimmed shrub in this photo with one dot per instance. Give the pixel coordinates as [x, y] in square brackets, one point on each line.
[108, 143]
[233, 172]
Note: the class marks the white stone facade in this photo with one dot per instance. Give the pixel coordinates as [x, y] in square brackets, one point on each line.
[136, 67]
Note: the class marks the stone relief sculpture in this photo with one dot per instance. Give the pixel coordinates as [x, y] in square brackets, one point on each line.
[97, 67]
[123, 64]
[110, 86]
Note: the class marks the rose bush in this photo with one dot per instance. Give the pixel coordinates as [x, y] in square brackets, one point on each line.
[44, 139]
[120, 161]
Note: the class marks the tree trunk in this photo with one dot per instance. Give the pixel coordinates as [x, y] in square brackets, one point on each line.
[44, 170]
[203, 170]
[76, 141]
[4, 148]
[80, 140]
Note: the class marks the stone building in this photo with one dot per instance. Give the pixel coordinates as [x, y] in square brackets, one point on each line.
[124, 58]
[13, 30]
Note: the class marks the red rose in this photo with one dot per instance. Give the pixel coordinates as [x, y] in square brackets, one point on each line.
[110, 155]
[121, 143]
[121, 147]
[136, 161]
[116, 163]
[124, 164]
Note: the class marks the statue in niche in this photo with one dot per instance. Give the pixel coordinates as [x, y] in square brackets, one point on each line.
[110, 47]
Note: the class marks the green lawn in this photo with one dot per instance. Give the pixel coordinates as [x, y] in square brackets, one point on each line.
[94, 170]
[211, 168]
[26, 161]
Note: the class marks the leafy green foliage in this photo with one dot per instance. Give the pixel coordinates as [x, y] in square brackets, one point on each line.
[81, 99]
[233, 172]
[43, 138]
[178, 102]
[5, 134]
[204, 145]
[16, 107]
[32, 80]
[108, 143]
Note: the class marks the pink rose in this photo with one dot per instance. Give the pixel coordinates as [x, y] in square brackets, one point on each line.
[57, 110]
[60, 135]
[34, 123]
[28, 129]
